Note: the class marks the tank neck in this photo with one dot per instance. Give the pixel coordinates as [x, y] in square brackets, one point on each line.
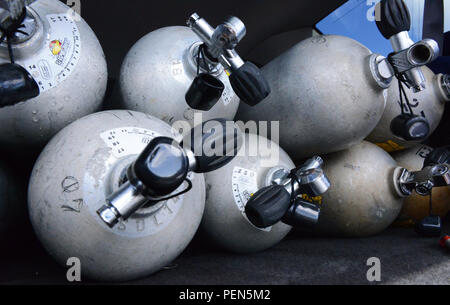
[206, 66]
[381, 70]
[23, 45]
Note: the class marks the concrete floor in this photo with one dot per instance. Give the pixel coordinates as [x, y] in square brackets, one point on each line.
[405, 259]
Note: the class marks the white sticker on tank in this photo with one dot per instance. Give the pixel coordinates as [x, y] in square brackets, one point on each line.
[227, 95]
[60, 55]
[245, 185]
[128, 140]
[125, 142]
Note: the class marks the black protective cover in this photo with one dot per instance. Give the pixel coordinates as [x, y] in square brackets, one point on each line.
[402, 126]
[16, 85]
[215, 143]
[440, 155]
[394, 17]
[249, 84]
[268, 206]
[205, 92]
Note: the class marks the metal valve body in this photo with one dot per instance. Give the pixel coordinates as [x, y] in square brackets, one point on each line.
[65, 58]
[77, 171]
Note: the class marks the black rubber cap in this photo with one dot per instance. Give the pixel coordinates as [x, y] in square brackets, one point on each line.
[410, 127]
[16, 85]
[205, 92]
[268, 206]
[161, 167]
[215, 143]
[249, 84]
[394, 17]
[430, 226]
[440, 155]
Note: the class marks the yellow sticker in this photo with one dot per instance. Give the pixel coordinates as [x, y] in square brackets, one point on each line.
[390, 146]
[317, 199]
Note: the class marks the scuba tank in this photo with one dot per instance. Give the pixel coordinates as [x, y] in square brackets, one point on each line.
[117, 190]
[416, 207]
[429, 103]
[412, 121]
[323, 81]
[368, 188]
[343, 86]
[52, 71]
[230, 222]
[175, 72]
[12, 201]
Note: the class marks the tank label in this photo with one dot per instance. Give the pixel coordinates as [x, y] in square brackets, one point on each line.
[60, 55]
[128, 140]
[245, 185]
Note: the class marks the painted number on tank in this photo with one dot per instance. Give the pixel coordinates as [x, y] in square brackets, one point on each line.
[60, 54]
[177, 67]
[245, 185]
[424, 152]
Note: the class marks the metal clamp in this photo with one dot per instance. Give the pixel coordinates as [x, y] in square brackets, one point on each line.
[425, 180]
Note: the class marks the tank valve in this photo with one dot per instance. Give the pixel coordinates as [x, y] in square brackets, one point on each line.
[408, 57]
[16, 84]
[164, 165]
[281, 202]
[219, 47]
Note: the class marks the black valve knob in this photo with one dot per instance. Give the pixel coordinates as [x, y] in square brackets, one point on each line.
[249, 84]
[214, 143]
[394, 17]
[268, 206]
[410, 127]
[440, 155]
[16, 85]
[160, 169]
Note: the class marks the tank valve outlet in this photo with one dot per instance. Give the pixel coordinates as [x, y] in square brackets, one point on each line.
[162, 168]
[219, 47]
[16, 84]
[423, 181]
[281, 202]
[407, 58]
[439, 155]
[445, 242]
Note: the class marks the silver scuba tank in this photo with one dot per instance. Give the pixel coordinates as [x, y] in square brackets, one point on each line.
[102, 191]
[368, 188]
[65, 67]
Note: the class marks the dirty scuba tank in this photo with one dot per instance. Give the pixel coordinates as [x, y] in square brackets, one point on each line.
[328, 93]
[260, 164]
[52, 70]
[416, 207]
[416, 100]
[175, 72]
[368, 188]
[116, 190]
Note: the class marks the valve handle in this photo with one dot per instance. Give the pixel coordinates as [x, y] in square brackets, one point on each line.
[249, 84]
[16, 85]
[440, 155]
[268, 206]
[161, 168]
[395, 17]
[214, 143]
